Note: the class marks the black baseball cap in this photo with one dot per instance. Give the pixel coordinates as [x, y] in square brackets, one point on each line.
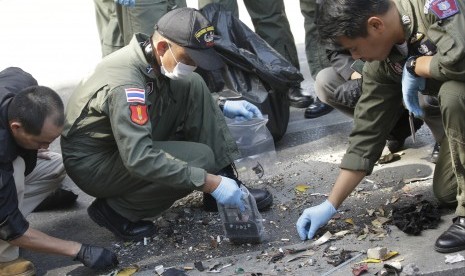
[188, 28]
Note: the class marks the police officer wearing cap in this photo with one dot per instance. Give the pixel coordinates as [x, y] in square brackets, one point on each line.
[143, 130]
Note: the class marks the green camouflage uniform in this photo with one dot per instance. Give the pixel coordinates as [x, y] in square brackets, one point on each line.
[139, 140]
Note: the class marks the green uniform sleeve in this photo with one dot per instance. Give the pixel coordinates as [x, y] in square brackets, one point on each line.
[132, 131]
[449, 37]
[375, 115]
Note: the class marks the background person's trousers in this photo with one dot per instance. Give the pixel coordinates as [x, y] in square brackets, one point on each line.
[117, 24]
[32, 190]
[449, 174]
[328, 80]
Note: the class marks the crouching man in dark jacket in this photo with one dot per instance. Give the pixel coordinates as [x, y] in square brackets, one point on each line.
[31, 117]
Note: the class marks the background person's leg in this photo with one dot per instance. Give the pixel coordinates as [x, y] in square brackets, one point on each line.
[326, 87]
[107, 26]
[142, 17]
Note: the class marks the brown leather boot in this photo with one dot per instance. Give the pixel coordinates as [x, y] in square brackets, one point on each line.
[18, 267]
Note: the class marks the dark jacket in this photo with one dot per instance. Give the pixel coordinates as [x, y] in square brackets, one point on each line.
[12, 222]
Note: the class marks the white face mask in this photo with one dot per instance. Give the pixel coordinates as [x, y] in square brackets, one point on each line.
[180, 71]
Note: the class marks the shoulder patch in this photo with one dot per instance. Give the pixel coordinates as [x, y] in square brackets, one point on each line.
[444, 8]
[139, 114]
[135, 95]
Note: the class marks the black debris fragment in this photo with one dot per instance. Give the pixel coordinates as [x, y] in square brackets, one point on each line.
[199, 266]
[414, 218]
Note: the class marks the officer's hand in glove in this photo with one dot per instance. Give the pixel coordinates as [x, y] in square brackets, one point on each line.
[228, 193]
[241, 110]
[128, 3]
[313, 218]
[96, 257]
[411, 85]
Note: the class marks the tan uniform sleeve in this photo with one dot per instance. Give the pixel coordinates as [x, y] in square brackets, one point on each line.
[133, 137]
[449, 37]
[375, 115]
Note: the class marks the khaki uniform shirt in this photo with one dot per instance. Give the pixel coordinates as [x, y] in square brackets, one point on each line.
[381, 91]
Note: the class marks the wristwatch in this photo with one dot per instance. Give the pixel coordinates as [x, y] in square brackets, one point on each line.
[410, 65]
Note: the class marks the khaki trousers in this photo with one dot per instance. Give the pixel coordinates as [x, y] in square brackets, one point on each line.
[32, 190]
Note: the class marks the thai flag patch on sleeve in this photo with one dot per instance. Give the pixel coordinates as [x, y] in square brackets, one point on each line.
[135, 95]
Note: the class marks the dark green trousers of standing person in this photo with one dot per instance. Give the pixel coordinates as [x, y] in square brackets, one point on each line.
[117, 24]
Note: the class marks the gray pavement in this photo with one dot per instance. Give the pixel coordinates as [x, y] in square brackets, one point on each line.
[57, 42]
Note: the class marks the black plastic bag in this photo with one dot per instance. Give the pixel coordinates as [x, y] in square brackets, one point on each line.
[255, 71]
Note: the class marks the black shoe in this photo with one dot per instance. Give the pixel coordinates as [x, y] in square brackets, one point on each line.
[59, 199]
[263, 197]
[102, 214]
[297, 99]
[453, 239]
[317, 109]
[401, 131]
[435, 153]
[395, 145]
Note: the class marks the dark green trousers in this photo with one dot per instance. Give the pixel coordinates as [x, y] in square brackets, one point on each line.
[449, 174]
[117, 24]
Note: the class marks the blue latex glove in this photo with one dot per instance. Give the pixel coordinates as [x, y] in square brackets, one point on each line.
[228, 193]
[128, 3]
[411, 85]
[241, 110]
[313, 218]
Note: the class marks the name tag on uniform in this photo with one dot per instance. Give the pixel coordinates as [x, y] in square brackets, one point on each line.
[444, 8]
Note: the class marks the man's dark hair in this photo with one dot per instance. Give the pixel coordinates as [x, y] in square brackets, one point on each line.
[32, 105]
[337, 18]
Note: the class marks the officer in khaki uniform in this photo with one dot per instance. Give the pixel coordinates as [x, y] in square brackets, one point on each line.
[410, 46]
[143, 130]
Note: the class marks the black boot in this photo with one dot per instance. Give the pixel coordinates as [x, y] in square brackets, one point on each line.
[102, 214]
[317, 109]
[263, 197]
[297, 99]
[453, 239]
[59, 199]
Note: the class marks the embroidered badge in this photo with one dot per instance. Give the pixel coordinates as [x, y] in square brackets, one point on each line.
[396, 67]
[420, 45]
[135, 95]
[206, 36]
[139, 114]
[416, 37]
[444, 8]
[406, 20]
